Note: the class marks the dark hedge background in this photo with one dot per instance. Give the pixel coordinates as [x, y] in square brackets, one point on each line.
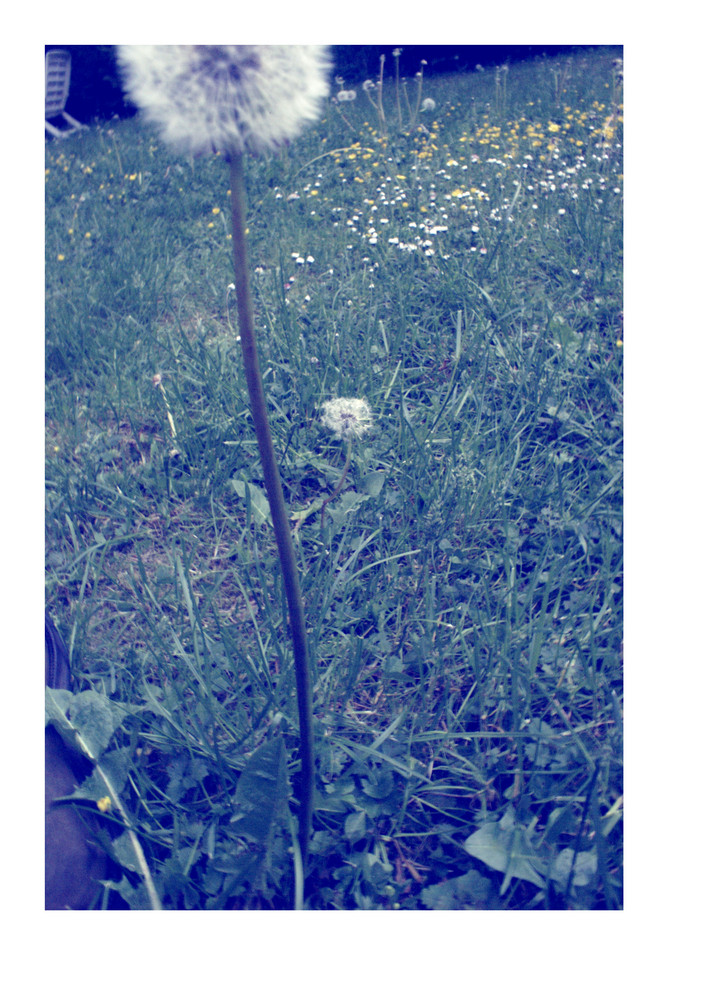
[96, 91]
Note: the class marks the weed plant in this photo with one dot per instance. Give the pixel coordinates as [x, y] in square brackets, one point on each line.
[463, 593]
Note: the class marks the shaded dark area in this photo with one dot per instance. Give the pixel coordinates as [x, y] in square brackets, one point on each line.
[95, 86]
[96, 91]
[357, 62]
[74, 863]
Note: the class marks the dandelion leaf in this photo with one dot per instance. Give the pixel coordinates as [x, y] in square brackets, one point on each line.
[86, 721]
[585, 868]
[256, 501]
[108, 776]
[261, 791]
[471, 891]
[347, 504]
[373, 483]
[505, 846]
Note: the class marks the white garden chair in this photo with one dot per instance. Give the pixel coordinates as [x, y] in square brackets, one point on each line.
[57, 83]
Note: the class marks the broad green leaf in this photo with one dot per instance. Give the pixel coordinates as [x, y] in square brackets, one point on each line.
[355, 826]
[585, 868]
[373, 483]
[261, 791]
[108, 776]
[347, 504]
[504, 846]
[379, 785]
[466, 892]
[256, 500]
[125, 853]
[184, 773]
[86, 720]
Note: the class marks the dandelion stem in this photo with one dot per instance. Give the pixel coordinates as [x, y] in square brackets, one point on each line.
[396, 87]
[337, 488]
[279, 516]
[406, 98]
[380, 106]
[418, 102]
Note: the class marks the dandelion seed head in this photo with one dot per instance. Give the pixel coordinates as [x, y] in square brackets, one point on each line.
[226, 98]
[347, 418]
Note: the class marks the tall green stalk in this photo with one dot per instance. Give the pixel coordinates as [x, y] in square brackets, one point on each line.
[279, 514]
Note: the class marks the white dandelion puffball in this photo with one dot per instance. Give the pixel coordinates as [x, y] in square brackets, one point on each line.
[226, 98]
[428, 104]
[347, 418]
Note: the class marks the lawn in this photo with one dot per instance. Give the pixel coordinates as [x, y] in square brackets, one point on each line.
[459, 268]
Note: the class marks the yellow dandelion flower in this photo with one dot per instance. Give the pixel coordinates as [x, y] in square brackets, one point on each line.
[104, 804]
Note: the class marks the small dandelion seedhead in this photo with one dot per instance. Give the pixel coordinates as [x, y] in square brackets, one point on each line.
[226, 98]
[347, 418]
[428, 104]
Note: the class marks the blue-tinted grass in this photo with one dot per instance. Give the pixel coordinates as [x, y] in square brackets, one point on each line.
[464, 594]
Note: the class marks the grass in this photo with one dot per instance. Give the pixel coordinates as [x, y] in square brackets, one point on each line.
[464, 593]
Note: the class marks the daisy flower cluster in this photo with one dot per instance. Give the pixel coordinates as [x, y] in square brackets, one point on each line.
[451, 194]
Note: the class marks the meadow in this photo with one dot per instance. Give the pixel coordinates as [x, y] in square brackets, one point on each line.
[460, 268]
